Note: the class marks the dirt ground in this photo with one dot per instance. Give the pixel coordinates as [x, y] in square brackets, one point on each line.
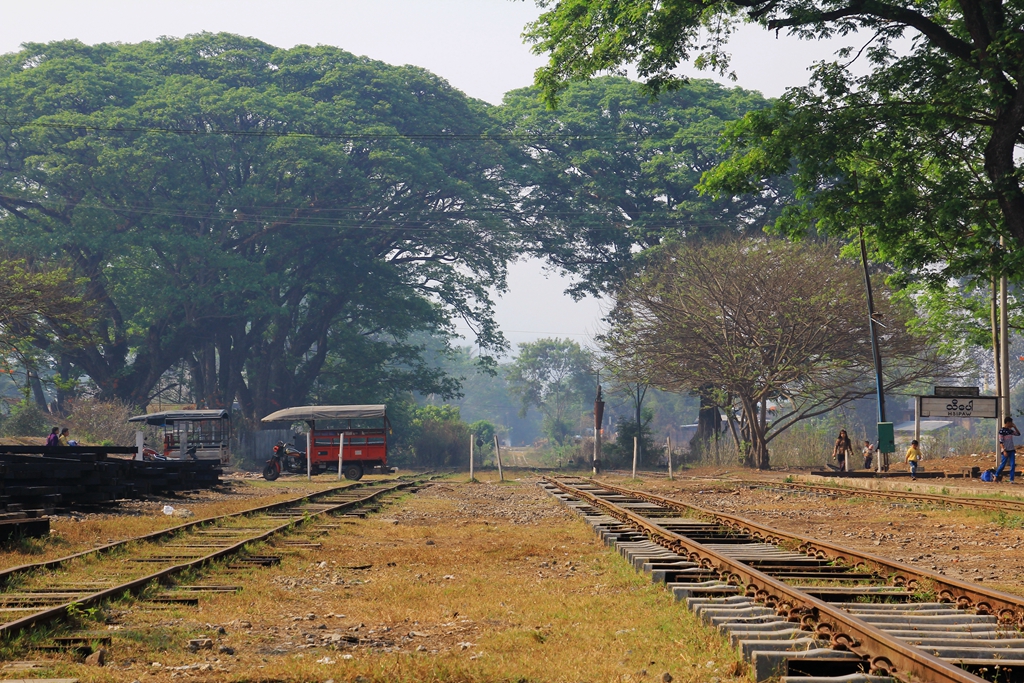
[458, 582]
[972, 545]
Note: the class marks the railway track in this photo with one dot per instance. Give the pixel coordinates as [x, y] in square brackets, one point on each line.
[996, 504]
[53, 590]
[804, 609]
[1003, 505]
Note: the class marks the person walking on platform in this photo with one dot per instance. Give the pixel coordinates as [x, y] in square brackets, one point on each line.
[913, 457]
[1008, 448]
[843, 451]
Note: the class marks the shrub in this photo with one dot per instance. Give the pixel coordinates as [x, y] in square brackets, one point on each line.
[442, 438]
[26, 419]
[102, 422]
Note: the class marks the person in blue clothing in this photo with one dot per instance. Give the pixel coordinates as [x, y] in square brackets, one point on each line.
[1008, 448]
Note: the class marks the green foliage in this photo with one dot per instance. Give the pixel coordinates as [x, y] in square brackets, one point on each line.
[611, 170]
[484, 430]
[554, 376]
[34, 295]
[902, 166]
[620, 452]
[435, 413]
[921, 151]
[26, 419]
[82, 615]
[253, 215]
[442, 438]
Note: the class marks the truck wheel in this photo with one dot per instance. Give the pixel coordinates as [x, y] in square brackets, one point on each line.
[353, 472]
[270, 473]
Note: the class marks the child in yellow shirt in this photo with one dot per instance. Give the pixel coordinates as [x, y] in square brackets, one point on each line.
[913, 456]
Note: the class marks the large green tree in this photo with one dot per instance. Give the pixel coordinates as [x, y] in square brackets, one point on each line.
[927, 143]
[610, 171]
[256, 213]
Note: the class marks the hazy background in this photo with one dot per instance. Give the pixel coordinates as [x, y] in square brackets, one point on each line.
[475, 44]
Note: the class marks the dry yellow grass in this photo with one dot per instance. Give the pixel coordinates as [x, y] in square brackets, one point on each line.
[469, 582]
[74, 533]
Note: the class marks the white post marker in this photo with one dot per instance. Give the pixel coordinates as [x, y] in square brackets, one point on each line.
[341, 454]
[140, 443]
[472, 438]
[497, 454]
[634, 456]
[917, 419]
[668, 444]
[309, 452]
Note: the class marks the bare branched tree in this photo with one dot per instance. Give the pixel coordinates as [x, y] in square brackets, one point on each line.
[777, 329]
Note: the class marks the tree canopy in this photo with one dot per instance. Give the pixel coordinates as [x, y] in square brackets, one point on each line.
[34, 296]
[554, 376]
[923, 150]
[611, 172]
[252, 212]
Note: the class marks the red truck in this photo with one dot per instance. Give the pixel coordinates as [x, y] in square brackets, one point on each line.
[365, 435]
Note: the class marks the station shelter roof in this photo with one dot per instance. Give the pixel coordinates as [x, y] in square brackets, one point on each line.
[354, 412]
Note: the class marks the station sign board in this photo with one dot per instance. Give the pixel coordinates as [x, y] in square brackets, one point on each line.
[959, 406]
[956, 392]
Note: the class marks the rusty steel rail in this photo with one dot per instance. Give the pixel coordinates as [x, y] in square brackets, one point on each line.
[887, 655]
[1007, 607]
[1000, 505]
[995, 504]
[10, 572]
[133, 586]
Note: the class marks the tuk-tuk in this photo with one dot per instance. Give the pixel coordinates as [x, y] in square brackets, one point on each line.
[192, 434]
[365, 448]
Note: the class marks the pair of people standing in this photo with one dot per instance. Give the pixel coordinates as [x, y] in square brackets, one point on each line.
[58, 439]
[1007, 447]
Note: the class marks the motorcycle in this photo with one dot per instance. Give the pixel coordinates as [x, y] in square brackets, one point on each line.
[285, 459]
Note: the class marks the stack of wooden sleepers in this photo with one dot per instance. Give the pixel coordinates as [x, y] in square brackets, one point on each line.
[36, 480]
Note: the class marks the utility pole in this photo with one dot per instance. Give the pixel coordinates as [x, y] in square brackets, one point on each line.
[885, 434]
[875, 351]
[998, 375]
[598, 420]
[1004, 346]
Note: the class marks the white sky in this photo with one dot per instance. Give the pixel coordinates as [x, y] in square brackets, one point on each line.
[474, 44]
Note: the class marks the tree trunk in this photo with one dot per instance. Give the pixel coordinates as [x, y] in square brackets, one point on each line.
[755, 424]
[709, 424]
[64, 370]
[641, 392]
[37, 390]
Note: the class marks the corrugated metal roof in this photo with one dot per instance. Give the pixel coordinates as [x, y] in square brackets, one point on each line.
[327, 413]
[180, 416]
